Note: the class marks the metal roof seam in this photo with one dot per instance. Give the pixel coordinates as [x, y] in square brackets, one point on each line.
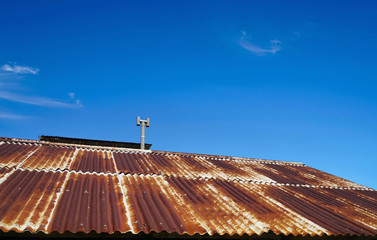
[3, 178]
[27, 157]
[56, 201]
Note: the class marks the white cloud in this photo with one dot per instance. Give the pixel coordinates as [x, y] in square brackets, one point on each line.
[244, 35]
[19, 69]
[39, 101]
[10, 91]
[11, 116]
[257, 50]
[78, 103]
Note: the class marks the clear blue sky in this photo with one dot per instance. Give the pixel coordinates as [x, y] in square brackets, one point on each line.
[282, 80]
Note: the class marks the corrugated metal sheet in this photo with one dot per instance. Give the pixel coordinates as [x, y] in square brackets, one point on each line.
[37, 156]
[81, 202]
[50, 157]
[27, 199]
[133, 191]
[93, 161]
[90, 202]
[12, 154]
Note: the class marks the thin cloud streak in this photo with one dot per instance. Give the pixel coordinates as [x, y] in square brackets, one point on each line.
[257, 50]
[39, 101]
[11, 116]
[19, 69]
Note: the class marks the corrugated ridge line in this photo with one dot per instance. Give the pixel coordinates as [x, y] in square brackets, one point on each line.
[205, 178]
[214, 157]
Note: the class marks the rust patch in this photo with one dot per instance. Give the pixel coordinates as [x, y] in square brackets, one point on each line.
[151, 208]
[193, 163]
[226, 166]
[93, 161]
[335, 222]
[50, 157]
[90, 202]
[26, 197]
[246, 199]
[12, 154]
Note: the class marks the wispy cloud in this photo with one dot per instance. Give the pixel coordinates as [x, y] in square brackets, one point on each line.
[257, 50]
[9, 90]
[39, 101]
[19, 69]
[11, 116]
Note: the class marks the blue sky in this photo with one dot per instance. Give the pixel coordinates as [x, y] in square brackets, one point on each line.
[282, 80]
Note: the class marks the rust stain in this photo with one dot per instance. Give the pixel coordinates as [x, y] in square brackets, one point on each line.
[90, 202]
[50, 157]
[26, 198]
[93, 161]
[150, 207]
[12, 154]
[319, 213]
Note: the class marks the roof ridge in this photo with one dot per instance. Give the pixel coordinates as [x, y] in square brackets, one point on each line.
[130, 150]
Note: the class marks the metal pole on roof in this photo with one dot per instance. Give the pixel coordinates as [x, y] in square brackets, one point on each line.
[143, 123]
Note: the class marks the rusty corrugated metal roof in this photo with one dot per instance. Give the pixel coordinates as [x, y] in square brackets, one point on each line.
[63, 187]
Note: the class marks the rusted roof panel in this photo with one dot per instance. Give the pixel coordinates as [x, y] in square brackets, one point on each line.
[153, 205]
[93, 161]
[82, 202]
[108, 190]
[12, 154]
[50, 157]
[27, 199]
[37, 156]
[90, 202]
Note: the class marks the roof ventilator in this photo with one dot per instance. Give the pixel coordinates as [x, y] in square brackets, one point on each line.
[143, 123]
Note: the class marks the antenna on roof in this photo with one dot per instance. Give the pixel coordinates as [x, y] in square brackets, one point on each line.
[143, 123]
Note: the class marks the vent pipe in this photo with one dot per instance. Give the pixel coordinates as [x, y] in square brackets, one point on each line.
[143, 123]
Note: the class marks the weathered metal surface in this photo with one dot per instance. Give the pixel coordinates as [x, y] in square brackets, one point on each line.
[90, 202]
[27, 199]
[50, 157]
[153, 205]
[133, 191]
[82, 202]
[37, 156]
[93, 161]
[12, 154]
